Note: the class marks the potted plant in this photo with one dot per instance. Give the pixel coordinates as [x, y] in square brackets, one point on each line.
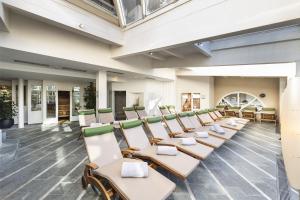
[90, 96]
[8, 110]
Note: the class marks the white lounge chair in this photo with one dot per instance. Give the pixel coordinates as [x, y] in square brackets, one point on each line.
[105, 165]
[159, 133]
[180, 165]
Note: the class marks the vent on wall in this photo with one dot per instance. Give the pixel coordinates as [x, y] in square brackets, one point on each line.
[31, 63]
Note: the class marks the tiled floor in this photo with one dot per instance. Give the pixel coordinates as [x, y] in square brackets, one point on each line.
[48, 164]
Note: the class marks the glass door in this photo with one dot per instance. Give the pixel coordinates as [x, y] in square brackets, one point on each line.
[51, 102]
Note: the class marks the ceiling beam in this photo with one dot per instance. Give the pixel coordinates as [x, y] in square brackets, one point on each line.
[204, 48]
[173, 54]
[257, 38]
[156, 57]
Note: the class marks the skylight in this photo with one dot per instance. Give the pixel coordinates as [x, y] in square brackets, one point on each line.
[134, 10]
[106, 4]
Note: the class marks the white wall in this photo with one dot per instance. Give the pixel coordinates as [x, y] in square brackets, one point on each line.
[254, 86]
[154, 93]
[202, 85]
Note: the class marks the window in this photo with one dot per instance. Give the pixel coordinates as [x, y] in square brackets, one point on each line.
[132, 10]
[106, 4]
[154, 5]
[242, 100]
[51, 101]
[75, 100]
[36, 97]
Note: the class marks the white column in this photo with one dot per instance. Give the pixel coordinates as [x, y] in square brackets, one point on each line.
[21, 103]
[101, 90]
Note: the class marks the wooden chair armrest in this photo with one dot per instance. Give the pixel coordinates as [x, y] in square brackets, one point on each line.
[189, 129]
[91, 166]
[155, 140]
[174, 134]
[129, 151]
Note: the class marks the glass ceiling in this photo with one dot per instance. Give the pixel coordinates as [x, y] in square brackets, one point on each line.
[131, 11]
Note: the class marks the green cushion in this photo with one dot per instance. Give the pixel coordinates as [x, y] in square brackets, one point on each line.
[170, 106]
[170, 117]
[268, 109]
[151, 120]
[162, 107]
[235, 108]
[220, 106]
[139, 108]
[202, 112]
[128, 108]
[183, 114]
[88, 132]
[131, 124]
[86, 112]
[190, 114]
[250, 109]
[105, 110]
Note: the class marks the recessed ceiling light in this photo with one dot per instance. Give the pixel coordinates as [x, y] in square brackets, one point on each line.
[81, 26]
[151, 53]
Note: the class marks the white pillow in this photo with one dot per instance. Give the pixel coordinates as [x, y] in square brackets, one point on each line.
[134, 169]
[166, 150]
[202, 134]
[188, 141]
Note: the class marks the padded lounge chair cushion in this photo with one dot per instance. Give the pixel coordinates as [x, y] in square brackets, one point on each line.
[88, 132]
[102, 149]
[105, 110]
[151, 120]
[155, 186]
[181, 164]
[183, 114]
[131, 124]
[170, 117]
[139, 108]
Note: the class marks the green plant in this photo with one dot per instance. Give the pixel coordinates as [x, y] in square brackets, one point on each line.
[8, 109]
[90, 96]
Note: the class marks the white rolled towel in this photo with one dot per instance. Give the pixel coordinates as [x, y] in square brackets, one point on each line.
[232, 122]
[217, 128]
[134, 169]
[202, 134]
[188, 141]
[166, 150]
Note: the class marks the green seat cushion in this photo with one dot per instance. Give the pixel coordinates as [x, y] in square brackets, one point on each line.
[131, 124]
[170, 117]
[139, 108]
[86, 112]
[151, 120]
[170, 106]
[183, 114]
[190, 114]
[128, 108]
[200, 112]
[162, 107]
[268, 109]
[89, 132]
[105, 110]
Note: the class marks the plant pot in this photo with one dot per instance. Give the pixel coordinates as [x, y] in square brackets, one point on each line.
[6, 123]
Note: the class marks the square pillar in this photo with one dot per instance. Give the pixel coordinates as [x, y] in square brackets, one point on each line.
[101, 90]
[21, 103]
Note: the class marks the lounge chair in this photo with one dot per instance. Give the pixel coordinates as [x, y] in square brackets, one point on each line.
[164, 110]
[189, 130]
[191, 122]
[87, 118]
[140, 110]
[207, 121]
[106, 116]
[180, 165]
[130, 113]
[269, 115]
[159, 133]
[240, 120]
[171, 109]
[249, 113]
[105, 166]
